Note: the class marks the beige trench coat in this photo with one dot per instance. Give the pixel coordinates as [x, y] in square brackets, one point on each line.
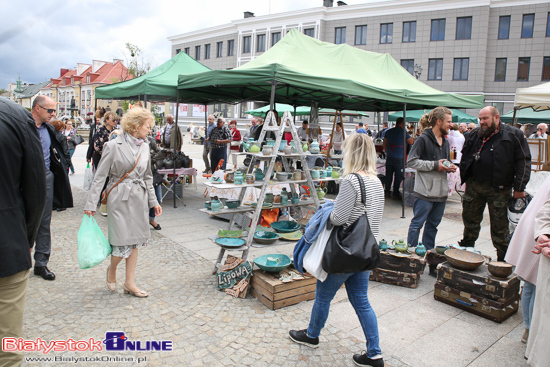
[129, 202]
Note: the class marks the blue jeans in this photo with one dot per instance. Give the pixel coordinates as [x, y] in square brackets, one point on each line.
[427, 212]
[158, 194]
[357, 285]
[216, 155]
[527, 302]
[393, 166]
[71, 152]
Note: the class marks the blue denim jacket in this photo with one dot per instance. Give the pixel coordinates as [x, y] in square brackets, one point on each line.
[312, 231]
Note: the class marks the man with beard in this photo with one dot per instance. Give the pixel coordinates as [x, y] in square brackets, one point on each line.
[495, 160]
[430, 156]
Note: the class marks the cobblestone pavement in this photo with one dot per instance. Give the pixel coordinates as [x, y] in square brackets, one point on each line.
[210, 328]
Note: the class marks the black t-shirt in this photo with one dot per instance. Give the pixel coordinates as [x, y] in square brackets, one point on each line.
[482, 169]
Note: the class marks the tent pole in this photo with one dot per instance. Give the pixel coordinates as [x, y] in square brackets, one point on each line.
[272, 98]
[515, 117]
[404, 157]
[378, 115]
[145, 101]
[176, 130]
[336, 114]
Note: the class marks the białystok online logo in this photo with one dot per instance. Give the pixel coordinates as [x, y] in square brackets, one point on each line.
[114, 341]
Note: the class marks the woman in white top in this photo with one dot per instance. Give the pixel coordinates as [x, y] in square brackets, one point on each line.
[456, 142]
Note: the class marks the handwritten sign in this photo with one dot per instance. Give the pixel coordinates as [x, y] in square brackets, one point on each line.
[227, 279]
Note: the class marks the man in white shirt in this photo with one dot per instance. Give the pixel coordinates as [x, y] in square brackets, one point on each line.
[541, 132]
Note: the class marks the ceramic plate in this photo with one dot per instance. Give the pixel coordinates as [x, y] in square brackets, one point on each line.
[264, 206]
[230, 242]
[265, 229]
[230, 234]
[292, 236]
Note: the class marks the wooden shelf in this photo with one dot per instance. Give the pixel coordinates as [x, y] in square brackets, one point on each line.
[250, 208]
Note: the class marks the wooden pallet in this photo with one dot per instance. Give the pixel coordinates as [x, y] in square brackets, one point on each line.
[274, 294]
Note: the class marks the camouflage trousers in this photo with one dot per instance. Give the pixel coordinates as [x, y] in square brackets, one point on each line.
[477, 195]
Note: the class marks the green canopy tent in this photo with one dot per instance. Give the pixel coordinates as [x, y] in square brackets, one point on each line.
[160, 84]
[416, 115]
[301, 111]
[527, 116]
[326, 75]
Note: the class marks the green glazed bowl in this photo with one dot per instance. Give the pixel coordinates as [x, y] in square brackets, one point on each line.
[265, 238]
[284, 262]
[285, 226]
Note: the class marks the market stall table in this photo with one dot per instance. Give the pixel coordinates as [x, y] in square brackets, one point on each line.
[181, 173]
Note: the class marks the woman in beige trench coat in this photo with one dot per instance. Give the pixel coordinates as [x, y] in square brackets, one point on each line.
[129, 202]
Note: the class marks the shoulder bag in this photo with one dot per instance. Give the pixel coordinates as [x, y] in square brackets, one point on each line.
[105, 195]
[78, 139]
[352, 249]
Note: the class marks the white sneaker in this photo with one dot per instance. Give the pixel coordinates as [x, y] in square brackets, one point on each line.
[103, 210]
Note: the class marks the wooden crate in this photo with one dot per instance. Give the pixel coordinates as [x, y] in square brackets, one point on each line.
[274, 294]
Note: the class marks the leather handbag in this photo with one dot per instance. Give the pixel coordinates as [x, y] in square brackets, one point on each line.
[354, 248]
[78, 139]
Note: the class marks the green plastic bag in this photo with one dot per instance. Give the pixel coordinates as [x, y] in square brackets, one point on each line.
[93, 247]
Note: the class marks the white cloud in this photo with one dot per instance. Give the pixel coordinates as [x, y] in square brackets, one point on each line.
[39, 38]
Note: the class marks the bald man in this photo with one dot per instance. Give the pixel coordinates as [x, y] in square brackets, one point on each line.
[496, 166]
[541, 132]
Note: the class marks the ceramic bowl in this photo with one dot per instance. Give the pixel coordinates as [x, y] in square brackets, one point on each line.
[282, 176]
[285, 226]
[230, 242]
[292, 236]
[441, 249]
[265, 238]
[284, 262]
[207, 205]
[500, 269]
[232, 204]
[230, 234]
[463, 259]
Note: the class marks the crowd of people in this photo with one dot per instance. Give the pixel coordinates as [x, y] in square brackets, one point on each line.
[493, 158]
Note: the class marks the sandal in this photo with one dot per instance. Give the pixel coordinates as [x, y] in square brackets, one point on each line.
[140, 294]
[157, 227]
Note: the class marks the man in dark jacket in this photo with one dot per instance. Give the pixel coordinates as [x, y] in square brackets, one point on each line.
[21, 206]
[495, 160]
[58, 187]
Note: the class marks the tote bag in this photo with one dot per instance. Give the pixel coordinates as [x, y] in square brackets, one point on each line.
[354, 248]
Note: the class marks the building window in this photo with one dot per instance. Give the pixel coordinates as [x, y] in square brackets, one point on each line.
[219, 49]
[310, 32]
[504, 27]
[197, 52]
[438, 30]
[361, 35]
[527, 25]
[207, 51]
[186, 50]
[546, 68]
[386, 33]
[500, 70]
[460, 69]
[409, 31]
[178, 50]
[275, 37]
[246, 44]
[464, 28]
[523, 69]
[260, 46]
[435, 69]
[340, 35]
[408, 64]
[230, 47]
[548, 26]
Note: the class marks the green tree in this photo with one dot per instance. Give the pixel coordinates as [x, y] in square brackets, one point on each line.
[137, 64]
[2, 90]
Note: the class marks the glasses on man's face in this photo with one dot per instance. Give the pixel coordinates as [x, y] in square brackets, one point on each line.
[49, 110]
[470, 128]
[540, 129]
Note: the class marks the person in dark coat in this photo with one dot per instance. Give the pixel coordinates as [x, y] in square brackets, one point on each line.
[58, 187]
[21, 205]
[93, 129]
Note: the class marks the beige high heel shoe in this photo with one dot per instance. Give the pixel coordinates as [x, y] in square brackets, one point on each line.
[140, 294]
[110, 286]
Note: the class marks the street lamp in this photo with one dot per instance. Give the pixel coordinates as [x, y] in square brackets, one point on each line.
[417, 71]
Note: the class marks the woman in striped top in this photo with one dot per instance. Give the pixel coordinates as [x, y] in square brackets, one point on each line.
[359, 157]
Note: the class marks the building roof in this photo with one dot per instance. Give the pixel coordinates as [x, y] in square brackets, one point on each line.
[32, 89]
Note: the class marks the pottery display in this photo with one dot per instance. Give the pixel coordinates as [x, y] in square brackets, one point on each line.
[230, 242]
[441, 249]
[230, 234]
[268, 197]
[216, 204]
[207, 205]
[465, 260]
[259, 175]
[400, 246]
[304, 175]
[322, 174]
[282, 176]
[288, 149]
[295, 199]
[500, 269]
[267, 150]
[321, 192]
[232, 204]
[250, 179]
[284, 196]
[277, 199]
[270, 142]
[265, 237]
[315, 174]
[238, 178]
[282, 145]
[285, 226]
[304, 147]
[420, 249]
[335, 173]
[284, 262]
[383, 245]
[297, 175]
[314, 148]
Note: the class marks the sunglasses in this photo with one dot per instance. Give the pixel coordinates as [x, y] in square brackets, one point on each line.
[470, 128]
[540, 129]
[49, 110]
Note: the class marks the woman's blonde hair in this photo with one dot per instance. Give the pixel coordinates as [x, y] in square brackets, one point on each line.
[430, 119]
[135, 118]
[359, 155]
[113, 116]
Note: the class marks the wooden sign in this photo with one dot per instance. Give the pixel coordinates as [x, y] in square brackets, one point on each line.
[227, 279]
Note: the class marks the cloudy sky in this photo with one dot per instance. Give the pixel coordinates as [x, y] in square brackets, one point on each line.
[38, 38]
